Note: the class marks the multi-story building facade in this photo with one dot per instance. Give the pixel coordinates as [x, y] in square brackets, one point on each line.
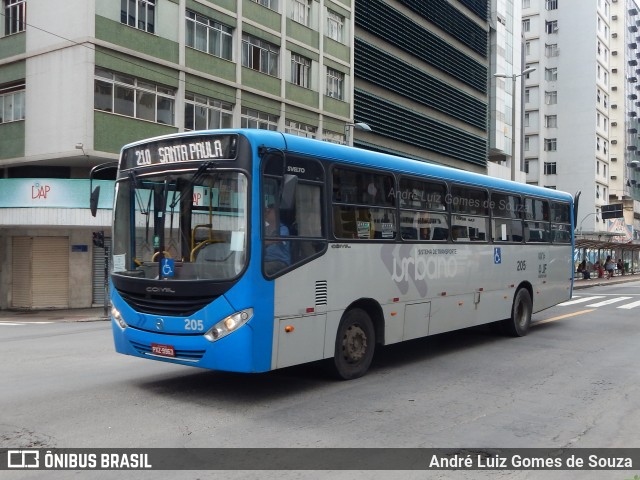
[567, 101]
[506, 99]
[421, 79]
[81, 78]
[625, 117]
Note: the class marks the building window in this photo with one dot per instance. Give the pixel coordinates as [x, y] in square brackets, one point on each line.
[300, 129]
[260, 55]
[299, 11]
[300, 70]
[270, 4]
[551, 50]
[207, 35]
[526, 166]
[251, 118]
[125, 95]
[551, 121]
[138, 14]
[551, 74]
[335, 84]
[333, 137]
[551, 5]
[527, 143]
[15, 16]
[335, 26]
[551, 98]
[526, 119]
[549, 168]
[527, 95]
[12, 103]
[526, 25]
[551, 27]
[550, 144]
[201, 113]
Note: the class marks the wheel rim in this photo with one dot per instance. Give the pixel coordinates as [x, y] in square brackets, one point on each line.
[354, 344]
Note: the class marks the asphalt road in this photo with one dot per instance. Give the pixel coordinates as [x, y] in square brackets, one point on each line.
[572, 382]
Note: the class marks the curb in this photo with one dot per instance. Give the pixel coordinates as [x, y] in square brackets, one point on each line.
[599, 282]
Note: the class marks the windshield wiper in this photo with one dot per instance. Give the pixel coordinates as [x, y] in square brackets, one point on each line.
[202, 169]
[133, 178]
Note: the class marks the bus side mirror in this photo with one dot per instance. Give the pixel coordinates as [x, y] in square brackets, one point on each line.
[288, 196]
[93, 200]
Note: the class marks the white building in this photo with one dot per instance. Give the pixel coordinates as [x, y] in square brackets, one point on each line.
[568, 101]
[625, 117]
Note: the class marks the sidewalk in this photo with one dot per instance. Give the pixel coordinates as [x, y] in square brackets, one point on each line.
[580, 283]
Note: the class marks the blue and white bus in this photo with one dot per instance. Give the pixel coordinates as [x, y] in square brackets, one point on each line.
[252, 250]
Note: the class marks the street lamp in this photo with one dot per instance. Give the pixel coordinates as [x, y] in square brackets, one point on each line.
[584, 218]
[356, 126]
[514, 77]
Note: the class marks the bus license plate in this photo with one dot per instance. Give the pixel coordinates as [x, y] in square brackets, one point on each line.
[163, 350]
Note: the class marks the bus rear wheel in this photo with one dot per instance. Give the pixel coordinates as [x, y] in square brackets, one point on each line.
[355, 344]
[520, 321]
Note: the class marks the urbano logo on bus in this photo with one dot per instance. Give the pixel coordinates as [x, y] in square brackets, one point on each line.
[415, 265]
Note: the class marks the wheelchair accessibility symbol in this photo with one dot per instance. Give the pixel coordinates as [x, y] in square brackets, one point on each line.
[497, 255]
[168, 267]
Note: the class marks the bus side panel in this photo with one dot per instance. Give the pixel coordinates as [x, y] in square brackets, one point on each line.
[467, 284]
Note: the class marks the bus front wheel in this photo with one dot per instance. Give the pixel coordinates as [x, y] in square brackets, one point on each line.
[355, 343]
[520, 321]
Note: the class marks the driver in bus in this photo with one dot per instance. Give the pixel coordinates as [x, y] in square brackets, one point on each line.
[277, 253]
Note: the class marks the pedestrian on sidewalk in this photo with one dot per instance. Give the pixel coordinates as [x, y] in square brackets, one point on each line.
[609, 266]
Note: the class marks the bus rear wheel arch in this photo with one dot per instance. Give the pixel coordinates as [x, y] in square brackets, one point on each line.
[521, 310]
[355, 344]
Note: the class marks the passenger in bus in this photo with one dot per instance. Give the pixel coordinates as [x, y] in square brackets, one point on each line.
[277, 253]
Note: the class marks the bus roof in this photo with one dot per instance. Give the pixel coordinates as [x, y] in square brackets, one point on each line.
[370, 159]
[367, 158]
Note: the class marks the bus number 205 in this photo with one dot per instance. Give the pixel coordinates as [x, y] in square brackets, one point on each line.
[196, 325]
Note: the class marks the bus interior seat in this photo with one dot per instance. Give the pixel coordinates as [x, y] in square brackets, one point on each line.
[220, 256]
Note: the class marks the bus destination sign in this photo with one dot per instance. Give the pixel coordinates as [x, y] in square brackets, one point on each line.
[183, 149]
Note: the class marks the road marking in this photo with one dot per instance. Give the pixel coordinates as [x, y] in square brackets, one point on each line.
[608, 302]
[631, 305]
[560, 317]
[580, 300]
[9, 324]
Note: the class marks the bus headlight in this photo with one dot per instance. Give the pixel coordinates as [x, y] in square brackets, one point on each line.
[115, 313]
[227, 325]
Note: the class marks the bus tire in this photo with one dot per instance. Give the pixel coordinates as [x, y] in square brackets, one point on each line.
[355, 344]
[520, 321]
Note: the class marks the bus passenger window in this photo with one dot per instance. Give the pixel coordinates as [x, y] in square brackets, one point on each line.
[419, 201]
[561, 222]
[507, 213]
[470, 219]
[363, 205]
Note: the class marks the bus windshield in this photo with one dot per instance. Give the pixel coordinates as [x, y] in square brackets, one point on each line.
[181, 225]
